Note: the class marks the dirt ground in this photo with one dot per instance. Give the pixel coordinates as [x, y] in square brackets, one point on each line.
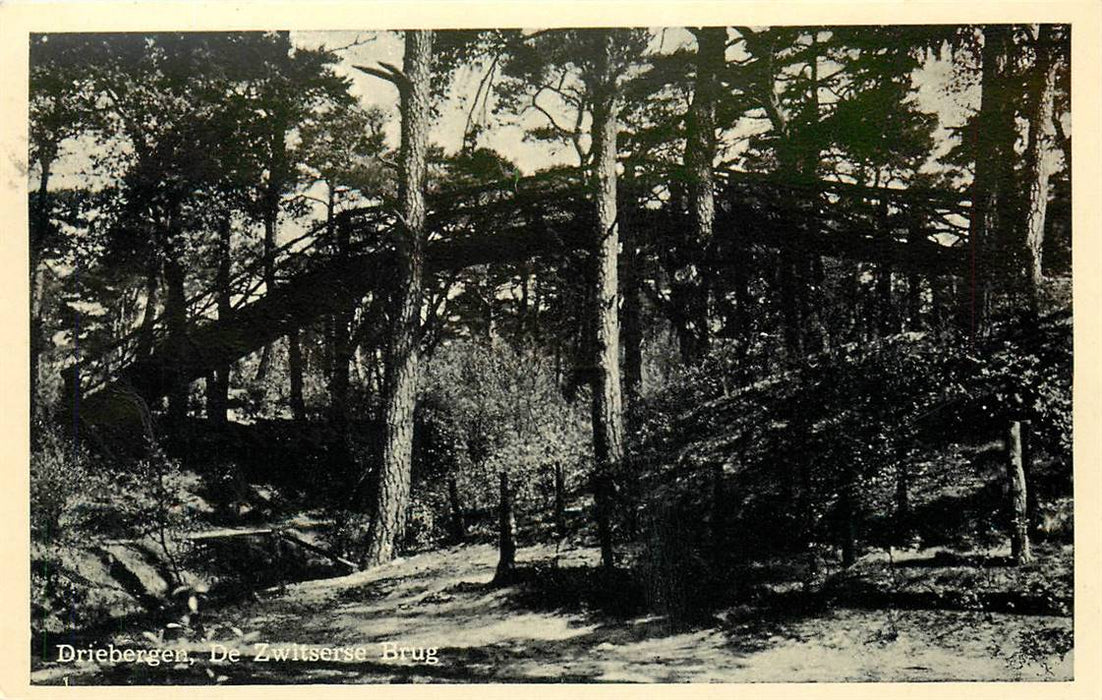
[440, 600]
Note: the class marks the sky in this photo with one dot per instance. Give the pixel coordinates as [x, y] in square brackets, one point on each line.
[506, 138]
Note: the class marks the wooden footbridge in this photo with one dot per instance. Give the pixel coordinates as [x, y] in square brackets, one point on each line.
[911, 230]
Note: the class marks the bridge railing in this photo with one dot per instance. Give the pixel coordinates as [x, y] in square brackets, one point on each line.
[246, 284]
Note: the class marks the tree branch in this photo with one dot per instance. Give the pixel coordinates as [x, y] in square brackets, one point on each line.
[388, 72]
[359, 41]
[562, 131]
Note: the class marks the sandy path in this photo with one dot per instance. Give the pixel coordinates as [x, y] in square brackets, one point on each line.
[438, 600]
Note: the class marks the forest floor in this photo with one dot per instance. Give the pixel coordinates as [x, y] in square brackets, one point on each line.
[485, 633]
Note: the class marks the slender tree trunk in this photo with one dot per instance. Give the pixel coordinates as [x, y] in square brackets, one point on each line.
[608, 428]
[277, 180]
[886, 318]
[741, 316]
[537, 302]
[37, 339]
[39, 234]
[523, 313]
[295, 366]
[914, 321]
[560, 500]
[459, 524]
[218, 384]
[789, 280]
[400, 381]
[812, 277]
[809, 267]
[341, 358]
[849, 522]
[269, 284]
[631, 311]
[994, 143]
[943, 296]
[146, 331]
[914, 302]
[1037, 167]
[690, 278]
[506, 541]
[902, 501]
[718, 519]
[176, 317]
[341, 345]
[1031, 505]
[488, 328]
[1020, 550]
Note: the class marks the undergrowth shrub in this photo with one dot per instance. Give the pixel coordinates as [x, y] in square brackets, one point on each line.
[824, 448]
[78, 503]
[486, 409]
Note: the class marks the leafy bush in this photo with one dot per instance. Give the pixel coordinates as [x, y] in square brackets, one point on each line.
[487, 409]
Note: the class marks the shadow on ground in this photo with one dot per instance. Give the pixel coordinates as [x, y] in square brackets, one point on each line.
[565, 620]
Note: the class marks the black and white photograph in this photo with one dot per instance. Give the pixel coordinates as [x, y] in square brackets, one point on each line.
[594, 354]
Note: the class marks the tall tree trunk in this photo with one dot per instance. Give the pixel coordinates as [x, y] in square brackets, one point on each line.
[994, 157]
[537, 302]
[943, 298]
[690, 279]
[176, 322]
[809, 275]
[741, 317]
[40, 227]
[488, 328]
[800, 158]
[914, 321]
[273, 191]
[341, 346]
[269, 284]
[400, 381]
[1037, 167]
[608, 428]
[218, 384]
[1031, 506]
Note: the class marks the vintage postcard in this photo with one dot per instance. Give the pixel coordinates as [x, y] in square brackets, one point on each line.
[578, 343]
